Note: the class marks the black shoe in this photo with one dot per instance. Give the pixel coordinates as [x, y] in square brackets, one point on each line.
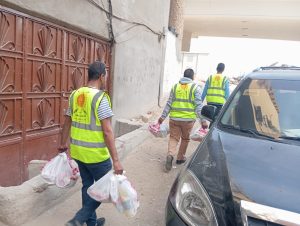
[100, 221]
[169, 161]
[181, 161]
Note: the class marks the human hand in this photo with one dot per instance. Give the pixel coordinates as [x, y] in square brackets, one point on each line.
[204, 124]
[62, 148]
[118, 169]
[160, 120]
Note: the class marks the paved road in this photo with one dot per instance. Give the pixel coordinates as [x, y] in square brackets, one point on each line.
[144, 168]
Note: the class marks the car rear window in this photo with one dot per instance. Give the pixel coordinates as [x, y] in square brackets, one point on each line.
[270, 107]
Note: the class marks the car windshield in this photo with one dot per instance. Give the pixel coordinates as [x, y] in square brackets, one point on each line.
[270, 108]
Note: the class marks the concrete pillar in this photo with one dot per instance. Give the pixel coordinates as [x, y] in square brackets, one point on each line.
[176, 20]
[186, 41]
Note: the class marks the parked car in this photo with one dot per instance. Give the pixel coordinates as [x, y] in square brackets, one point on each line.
[247, 169]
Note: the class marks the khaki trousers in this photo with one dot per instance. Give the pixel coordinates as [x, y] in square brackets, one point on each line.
[179, 129]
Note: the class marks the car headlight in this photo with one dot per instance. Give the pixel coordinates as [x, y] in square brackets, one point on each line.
[192, 201]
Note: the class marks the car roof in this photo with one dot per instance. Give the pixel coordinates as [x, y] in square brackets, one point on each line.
[281, 73]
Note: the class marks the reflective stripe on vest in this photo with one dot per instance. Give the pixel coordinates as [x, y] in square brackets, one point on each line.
[183, 101]
[216, 89]
[87, 140]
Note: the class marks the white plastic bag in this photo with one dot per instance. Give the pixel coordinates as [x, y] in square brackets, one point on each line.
[61, 171]
[198, 134]
[100, 191]
[117, 190]
[159, 130]
[75, 173]
[127, 202]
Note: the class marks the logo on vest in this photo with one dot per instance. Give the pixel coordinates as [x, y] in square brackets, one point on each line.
[218, 77]
[80, 114]
[184, 86]
[217, 81]
[81, 100]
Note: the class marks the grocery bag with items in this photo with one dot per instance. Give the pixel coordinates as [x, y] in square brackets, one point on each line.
[118, 190]
[198, 134]
[61, 171]
[159, 130]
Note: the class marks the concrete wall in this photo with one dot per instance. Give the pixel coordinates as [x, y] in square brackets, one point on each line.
[176, 20]
[138, 54]
[172, 67]
[137, 66]
[77, 14]
[173, 47]
[186, 41]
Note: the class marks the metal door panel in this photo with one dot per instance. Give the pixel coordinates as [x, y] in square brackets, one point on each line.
[40, 65]
[11, 70]
[10, 162]
[44, 40]
[40, 146]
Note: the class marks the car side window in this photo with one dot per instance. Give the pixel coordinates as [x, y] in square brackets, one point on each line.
[229, 117]
[269, 107]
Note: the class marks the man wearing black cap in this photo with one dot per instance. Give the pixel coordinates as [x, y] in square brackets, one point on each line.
[92, 146]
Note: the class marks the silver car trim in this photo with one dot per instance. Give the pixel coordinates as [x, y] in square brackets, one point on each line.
[269, 214]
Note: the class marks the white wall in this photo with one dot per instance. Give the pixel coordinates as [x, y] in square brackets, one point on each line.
[138, 56]
[199, 62]
[172, 67]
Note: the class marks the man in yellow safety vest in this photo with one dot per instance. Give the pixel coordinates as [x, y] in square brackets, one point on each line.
[216, 89]
[184, 105]
[92, 145]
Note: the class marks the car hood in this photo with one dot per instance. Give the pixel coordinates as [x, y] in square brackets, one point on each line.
[252, 169]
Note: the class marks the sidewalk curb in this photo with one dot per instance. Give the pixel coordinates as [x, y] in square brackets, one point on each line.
[129, 141]
[23, 203]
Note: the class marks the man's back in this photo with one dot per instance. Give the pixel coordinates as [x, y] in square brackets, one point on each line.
[183, 101]
[184, 105]
[184, 95]
[216, 90]
[87, 140]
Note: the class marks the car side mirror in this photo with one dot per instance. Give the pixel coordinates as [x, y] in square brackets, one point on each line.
[209, 112]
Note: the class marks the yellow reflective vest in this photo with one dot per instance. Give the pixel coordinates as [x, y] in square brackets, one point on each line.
[87, 140]
[216, 89]
[183, 106]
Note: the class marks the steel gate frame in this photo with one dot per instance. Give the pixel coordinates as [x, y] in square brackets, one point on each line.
[40, 64]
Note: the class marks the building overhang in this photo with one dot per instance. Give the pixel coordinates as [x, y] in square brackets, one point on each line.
[264, 19]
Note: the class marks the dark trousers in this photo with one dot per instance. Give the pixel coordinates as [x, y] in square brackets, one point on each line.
[218, 106]
[89, 174]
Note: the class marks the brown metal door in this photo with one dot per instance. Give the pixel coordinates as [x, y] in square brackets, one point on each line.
[40, 64]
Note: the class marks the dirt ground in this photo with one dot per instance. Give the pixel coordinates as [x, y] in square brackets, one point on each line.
[144, 168]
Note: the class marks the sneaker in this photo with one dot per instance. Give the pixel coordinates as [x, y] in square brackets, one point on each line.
[100, 221]
[169, 163]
